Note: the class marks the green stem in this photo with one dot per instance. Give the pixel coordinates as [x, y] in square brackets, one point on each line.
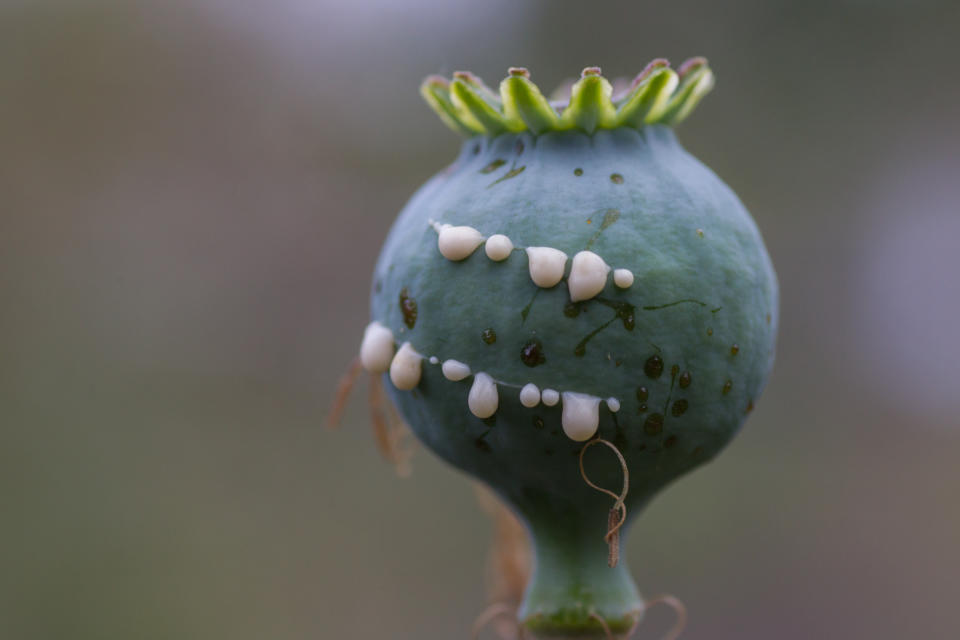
[572, 584]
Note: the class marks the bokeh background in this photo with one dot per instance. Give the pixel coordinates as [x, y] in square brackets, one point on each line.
[192, 196]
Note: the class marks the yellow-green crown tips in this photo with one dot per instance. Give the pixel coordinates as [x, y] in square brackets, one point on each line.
[647, 98]
[590, 106]
[480, 107]
[658, 95]
[696, 80]
[524, 105]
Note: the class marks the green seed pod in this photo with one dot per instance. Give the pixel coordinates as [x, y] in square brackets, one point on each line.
[575, 274]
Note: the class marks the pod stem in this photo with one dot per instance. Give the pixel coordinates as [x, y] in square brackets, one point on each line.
[573, 591]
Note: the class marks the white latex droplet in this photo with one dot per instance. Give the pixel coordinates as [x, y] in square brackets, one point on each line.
[588, 276]
[405, 369]
[530, 395]
[455, 370]
[457, 243]
[376, 350]
[498, 247]
[546, 265]
[483, 399]
[581, 415]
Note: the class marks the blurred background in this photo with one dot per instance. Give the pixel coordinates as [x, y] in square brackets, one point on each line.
[192, 196]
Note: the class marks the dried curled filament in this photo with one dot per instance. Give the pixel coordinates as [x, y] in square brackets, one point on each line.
[671, 601]
[496, 610]
[678, 608]
[342, 394]
[603, 624]
[509, 559]
[389, 430]
[618, 513]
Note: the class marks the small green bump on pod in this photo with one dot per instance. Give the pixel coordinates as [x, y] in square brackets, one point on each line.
[734, 349]
[579, 172]
[493, 165]
[488, 335]
[616, 178]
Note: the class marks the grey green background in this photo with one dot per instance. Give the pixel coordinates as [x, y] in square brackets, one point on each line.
[192, 197]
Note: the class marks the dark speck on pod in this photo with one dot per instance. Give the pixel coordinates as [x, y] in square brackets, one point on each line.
[531, 354]
[616, 178]
[571, 309]
[642, 408]
[653, 367]
[537, 422]
[684, 380]
[642, 394]
[653, 424]
[578, 171]
[749, 407]
[709, 331]
[476, 148]
[679, 407]
[408, 306]
[493, 166]
[488, 335]
[727, 386]
[669, 442]
[734, 349]
[482, 444]
[519, 147]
